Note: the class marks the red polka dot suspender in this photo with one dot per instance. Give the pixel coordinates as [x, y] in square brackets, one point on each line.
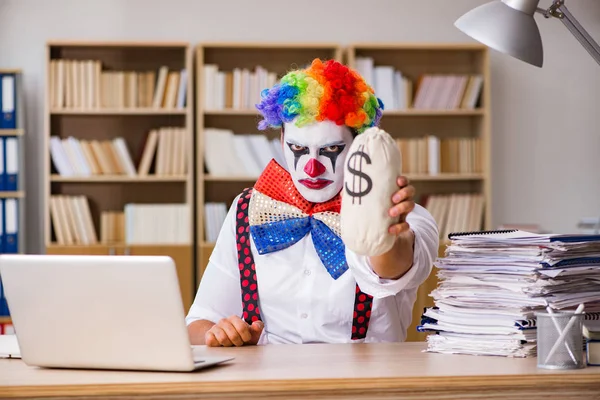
[249, 286]
[246, 261]
[362, 314]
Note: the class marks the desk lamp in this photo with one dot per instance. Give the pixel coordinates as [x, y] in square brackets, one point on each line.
[509, 26]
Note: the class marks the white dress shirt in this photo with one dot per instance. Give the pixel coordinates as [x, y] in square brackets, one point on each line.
[301, 303]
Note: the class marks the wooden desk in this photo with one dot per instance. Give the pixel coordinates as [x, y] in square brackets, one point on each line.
[316, 371]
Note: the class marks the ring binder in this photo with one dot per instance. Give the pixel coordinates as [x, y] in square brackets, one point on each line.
[492, 232]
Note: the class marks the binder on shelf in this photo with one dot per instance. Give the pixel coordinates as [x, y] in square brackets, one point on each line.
[11, 161]
[2, 165]
[2, 227]
[7, 102]
[11, 230]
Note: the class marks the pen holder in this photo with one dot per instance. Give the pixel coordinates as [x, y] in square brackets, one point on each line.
[557, 349]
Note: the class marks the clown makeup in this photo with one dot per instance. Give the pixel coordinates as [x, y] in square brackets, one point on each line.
[315, 157]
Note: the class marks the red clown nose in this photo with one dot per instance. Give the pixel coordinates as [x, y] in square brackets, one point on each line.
[314, 168]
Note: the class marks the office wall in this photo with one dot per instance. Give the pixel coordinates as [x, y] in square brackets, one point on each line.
[546, 138]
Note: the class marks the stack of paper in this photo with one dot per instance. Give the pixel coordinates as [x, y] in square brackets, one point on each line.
[492, 283]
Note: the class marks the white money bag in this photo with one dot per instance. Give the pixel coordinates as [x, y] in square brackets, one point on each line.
[371, 170]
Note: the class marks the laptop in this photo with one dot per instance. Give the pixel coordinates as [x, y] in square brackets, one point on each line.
[99, 312]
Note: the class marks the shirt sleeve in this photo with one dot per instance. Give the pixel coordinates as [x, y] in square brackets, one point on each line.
[425, 251]
[219, 294]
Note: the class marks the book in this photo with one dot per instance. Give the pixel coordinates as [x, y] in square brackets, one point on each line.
[237, 89]
[456, 212]
[591, 329]
[8, 90]
[77, 157]
[251, 153]
[432, 155]
[85, 85]
[592, 350]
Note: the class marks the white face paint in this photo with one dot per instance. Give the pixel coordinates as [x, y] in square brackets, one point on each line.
[315, 157]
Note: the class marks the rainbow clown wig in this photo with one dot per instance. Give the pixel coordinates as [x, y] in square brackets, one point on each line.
[324, 91]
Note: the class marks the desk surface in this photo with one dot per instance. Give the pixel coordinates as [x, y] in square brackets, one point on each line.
[290, 371]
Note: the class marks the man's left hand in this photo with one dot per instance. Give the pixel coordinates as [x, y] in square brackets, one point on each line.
[403, 203]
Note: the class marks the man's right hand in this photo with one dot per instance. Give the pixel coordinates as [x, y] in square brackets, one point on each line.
[233, 331]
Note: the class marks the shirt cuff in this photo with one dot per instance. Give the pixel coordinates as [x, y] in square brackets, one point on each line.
[372, 284]
[201, 313]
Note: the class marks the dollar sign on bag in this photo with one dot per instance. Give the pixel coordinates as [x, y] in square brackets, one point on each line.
[359, 175]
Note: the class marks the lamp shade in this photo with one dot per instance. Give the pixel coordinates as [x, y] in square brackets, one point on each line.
[507, 26]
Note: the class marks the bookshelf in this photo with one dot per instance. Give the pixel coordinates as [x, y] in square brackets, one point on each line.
[119, 168]
[238, 116]
[12, 176]
[461, 169]
[455, 132]
[449, 121]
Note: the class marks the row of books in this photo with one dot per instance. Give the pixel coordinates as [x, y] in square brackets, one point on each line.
[157, 224]
[8, 101]
[456, 212]
[214, 216]
[492, 284]
[9, 164]
[73, 224]
[247, 155]
[429, 92]
[238, 89]
[165, 149]
[448, 92]
[432, 155]
[112, 227]
[72, 220]
[393, 88]
[229, 154]
[83, 84]
[165, 152]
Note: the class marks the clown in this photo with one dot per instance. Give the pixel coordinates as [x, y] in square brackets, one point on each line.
[279, 272]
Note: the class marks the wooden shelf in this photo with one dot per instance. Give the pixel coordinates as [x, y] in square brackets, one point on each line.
[270, 45]
[231, 112]
[414, 60]
[113, 245]
[105, 119]
[5, 320]
[392, 113]
[12, 195]
[125, 111]
[12, 132]
[396, 46]
[412, 177]
[116, 44]
[117, 178]
[209, 178]
[433, 113]
[445, 177]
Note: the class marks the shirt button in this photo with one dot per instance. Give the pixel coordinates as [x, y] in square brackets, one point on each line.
[303, 316]
[307, 272]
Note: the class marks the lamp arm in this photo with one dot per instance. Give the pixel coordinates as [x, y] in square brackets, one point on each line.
[559, 10]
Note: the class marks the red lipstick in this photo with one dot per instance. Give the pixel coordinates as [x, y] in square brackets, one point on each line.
[316, 183]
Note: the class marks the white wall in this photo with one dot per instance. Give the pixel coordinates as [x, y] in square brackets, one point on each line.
[546, 138]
